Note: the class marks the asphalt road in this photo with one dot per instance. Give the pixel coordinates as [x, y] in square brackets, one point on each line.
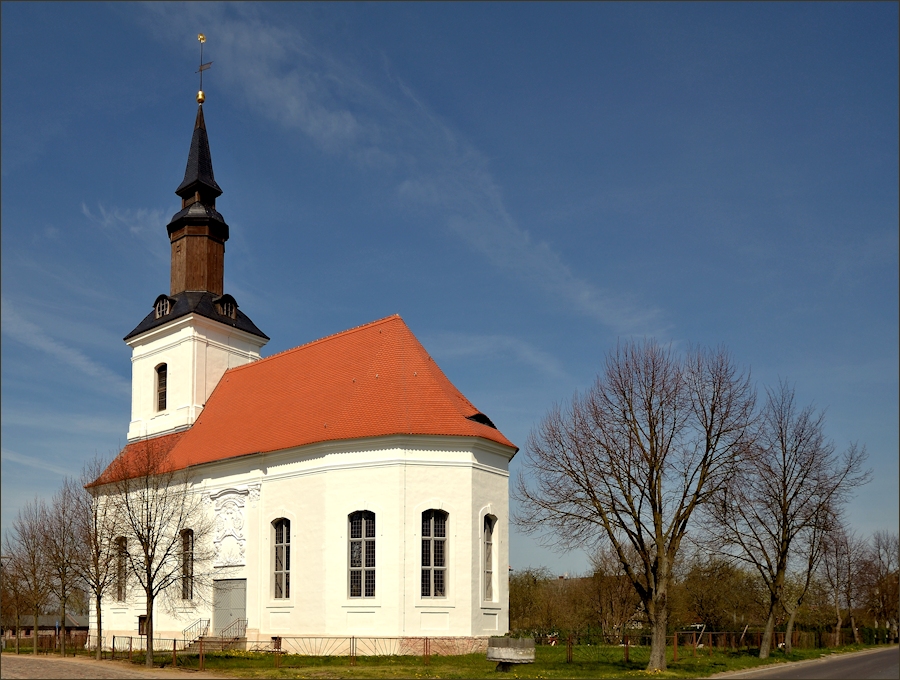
[879, 664]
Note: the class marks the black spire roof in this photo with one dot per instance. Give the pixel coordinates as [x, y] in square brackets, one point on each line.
[198, 175]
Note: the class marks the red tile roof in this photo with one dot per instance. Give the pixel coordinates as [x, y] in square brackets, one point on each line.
[368, 381]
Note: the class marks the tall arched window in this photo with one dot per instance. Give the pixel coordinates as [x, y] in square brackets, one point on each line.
[282, 562]
[362, 554]
[488, 550]
[121, 566]
[187, 564]
[161, 379]
[434, 553]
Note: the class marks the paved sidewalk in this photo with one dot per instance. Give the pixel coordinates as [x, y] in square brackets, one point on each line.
[14, 666]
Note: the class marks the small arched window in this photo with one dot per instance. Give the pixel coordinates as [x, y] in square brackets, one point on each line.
[121, 566]
[434, 553]
[187, 564]
[161, 380]
[362, 554]
[282, 561]
[162, 306]
[490, 523]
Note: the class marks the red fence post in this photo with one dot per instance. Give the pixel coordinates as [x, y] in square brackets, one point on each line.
[174, 657]
[710, 645]
[675, 646]
[626, 648]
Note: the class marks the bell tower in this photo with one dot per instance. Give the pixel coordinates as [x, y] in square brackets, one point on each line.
[197, 332]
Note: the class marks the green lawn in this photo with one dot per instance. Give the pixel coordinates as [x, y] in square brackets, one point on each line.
[588, 662]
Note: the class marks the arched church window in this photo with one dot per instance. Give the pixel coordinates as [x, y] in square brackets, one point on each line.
[161, 380]
[490, 522]
[282, 561]
[362, 554]
[434, 553]
[121, 566]
[187, 564]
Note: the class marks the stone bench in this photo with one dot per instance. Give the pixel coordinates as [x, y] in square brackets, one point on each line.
[508, 651]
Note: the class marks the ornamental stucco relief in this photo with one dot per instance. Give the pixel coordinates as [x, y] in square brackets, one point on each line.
[230, 540]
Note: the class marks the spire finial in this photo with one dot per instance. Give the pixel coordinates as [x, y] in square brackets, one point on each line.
[200, 96]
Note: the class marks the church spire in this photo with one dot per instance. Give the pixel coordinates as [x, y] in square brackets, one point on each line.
[198, 175]
[198, 231]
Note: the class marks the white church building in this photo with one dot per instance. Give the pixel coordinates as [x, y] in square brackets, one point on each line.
[354, 490]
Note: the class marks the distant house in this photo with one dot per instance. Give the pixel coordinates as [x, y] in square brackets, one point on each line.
[48, 624]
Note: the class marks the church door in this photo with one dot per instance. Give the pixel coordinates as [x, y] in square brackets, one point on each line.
[229, 605]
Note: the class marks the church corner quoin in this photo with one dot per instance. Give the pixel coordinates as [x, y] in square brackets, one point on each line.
[369, 499]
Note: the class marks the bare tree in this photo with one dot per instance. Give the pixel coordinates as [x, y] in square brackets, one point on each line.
[882, 582]
[25, 545]
[630, 461]
[13, 591]
[614, 599]
[842, 566]
[95, 526]
[61, 549]
[161, 513]
[812, 542]
[792, 477]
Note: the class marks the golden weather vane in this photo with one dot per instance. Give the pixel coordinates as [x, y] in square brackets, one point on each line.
[200, 96]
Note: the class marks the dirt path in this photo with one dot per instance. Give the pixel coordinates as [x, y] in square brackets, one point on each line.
[14, 666]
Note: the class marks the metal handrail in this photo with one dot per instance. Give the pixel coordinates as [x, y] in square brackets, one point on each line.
[195, 631]
[237, 629]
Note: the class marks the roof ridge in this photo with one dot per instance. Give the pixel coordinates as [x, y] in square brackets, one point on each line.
[318, 340]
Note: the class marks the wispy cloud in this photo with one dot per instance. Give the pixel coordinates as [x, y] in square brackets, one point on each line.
[492, 347]
[144, 224]
[32, 462]
[378, 121]
[17, 327]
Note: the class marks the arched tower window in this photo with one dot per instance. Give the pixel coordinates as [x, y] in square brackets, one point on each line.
[490, 522]
[161, 380]
[434, 553]
[121, 557]
[187, 564]
[362, 554]
[282, 562]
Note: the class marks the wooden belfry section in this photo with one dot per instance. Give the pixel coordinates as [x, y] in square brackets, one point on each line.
[198, 232]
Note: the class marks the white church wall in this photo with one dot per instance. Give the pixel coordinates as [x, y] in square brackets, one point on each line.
[316, 488]
[197, 352]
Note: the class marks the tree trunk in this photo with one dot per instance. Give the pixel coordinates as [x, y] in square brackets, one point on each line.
[18, 631]
[856, 637]
[765, 644]
[99, 631]
[62, 628]
[34, 638]
[149, 659]
[658, 622]
[788, 647]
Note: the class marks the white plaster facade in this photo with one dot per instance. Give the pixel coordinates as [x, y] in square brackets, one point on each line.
[317, 487]
[197, 352]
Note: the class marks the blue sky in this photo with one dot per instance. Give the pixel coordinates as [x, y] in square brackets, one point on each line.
[526, 184]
